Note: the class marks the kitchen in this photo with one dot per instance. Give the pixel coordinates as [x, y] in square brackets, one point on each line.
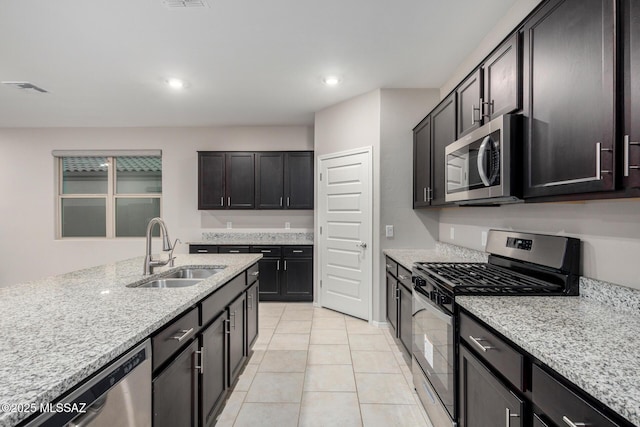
[379, 118]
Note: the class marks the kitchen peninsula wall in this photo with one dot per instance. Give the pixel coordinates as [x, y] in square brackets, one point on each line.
[28, 247]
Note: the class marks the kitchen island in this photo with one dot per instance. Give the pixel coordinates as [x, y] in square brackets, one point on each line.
[60, 330]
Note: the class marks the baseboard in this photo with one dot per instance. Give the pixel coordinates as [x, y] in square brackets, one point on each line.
[382, 325]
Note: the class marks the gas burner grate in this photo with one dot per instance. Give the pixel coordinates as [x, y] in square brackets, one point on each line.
[479, 278]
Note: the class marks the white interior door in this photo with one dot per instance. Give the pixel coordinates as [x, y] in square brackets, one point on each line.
[345, 218]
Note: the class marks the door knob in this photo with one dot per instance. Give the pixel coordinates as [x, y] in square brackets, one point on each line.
[362, 245]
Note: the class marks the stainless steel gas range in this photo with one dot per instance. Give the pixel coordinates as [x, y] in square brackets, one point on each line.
[519, 264]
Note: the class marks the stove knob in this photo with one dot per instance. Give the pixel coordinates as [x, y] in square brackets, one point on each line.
[444, 299]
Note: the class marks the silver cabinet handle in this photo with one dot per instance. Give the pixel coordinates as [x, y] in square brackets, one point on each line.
[473, 112]
[185, 333]
[599, 170]
[280, 201]
[234, 251]
[297, 251]
[266, 251]
[201, 354]
[425, 194]
[397, 291]
[488, 104]
[570, 423]
[202, 251]
[233, 316]
[222, 201]
[227, 326]
[278, 267]
[249, 301]
[388, 266]
[627, 145]
[401, 277]
[285, 265]
[255, 273]
[288, 201]
[476, 341]
[508, 416]
[429, 194]
[229, 201]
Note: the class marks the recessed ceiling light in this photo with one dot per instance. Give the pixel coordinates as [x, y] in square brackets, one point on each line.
[175, 83]
[331, 80]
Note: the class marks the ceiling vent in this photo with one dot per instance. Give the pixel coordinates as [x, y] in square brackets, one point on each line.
[184, 4]
[26, 87]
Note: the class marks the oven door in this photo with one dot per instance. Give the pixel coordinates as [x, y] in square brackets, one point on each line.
[434, 359]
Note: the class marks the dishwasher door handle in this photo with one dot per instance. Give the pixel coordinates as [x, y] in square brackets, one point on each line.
[92, 412]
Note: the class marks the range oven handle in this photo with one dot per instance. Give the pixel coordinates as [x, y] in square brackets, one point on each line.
[423, 304]
[481, 169]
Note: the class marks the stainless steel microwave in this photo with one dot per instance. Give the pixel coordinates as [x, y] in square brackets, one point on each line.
[483, 167]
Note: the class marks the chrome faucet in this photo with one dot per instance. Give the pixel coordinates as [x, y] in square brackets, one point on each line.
[149, 262]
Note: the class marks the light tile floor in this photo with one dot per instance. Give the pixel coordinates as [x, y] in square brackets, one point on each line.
[316, 367]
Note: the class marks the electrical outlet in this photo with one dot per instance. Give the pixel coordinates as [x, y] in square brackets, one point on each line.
[388, 230]
[484, 238]
[452, 233]
[229, 225]
[287, 225]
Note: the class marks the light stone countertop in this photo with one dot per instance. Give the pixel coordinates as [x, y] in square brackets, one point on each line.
[255, 238]
[60, 330]
[443, 252]
[593, 345]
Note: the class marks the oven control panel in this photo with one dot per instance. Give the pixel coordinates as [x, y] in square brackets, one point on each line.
[516, 243]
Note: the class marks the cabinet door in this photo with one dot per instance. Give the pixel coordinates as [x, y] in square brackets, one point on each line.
[392, 303]
[569, 98]
[252, 315]
[298, 279]
[422, 164]
[405, 318]
[298, 180]
[269, 278]
[443, 133]
[631, 39]
[484, 400]
[175, 392]
[240, 180]
[237, 352]
[269, 180]
[469, 103]
[211, 176]
[502, 77]
[213, 362]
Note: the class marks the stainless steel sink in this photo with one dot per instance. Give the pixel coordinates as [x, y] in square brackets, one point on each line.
[194, 273]
[169, 283]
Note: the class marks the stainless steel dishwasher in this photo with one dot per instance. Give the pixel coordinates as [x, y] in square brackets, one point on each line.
[119, 395]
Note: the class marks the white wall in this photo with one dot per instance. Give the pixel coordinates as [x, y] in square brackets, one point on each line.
[401, 111]
[28, 249]
[383, 119]
[610, 231]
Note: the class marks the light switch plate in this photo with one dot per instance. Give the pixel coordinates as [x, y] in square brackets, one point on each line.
[287, 225]
[388, 230]
[452, 233]
[229, 225]
[484, 238]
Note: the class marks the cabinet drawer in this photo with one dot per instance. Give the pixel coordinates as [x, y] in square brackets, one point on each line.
[404, 277]
[253, 274]
[391, 266]
[203, 249]
[298, 251]
[267, 250]
[234, 249]
[215, 303]
[496, 352]
[171, 338]
[557, 402]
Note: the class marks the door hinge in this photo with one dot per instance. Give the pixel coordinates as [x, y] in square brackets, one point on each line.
[320, 176]
[320, 283]
[320, 229]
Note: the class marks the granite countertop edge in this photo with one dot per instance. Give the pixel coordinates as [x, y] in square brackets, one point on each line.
[45, 380]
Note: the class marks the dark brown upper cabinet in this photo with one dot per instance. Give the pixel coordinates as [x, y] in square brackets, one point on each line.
[422, 164]
[270, 180]
[568, 58]
[631, 94]
[443, 133]
[263, 180]
[298, 180]
[492, 90]
[502, 80]
[469, 95]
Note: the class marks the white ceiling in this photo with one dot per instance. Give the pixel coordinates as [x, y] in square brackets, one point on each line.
[247, 62]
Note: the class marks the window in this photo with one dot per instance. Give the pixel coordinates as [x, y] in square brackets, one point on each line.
[107, 193]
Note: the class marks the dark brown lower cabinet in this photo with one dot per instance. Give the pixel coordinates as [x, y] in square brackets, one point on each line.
[269, 278]
[392, 303]
[175, 391]
[213, 379]
[537, 422]
[252, 315]
[405, 317]
[484, 400]
[297, 276]
[237, 353]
